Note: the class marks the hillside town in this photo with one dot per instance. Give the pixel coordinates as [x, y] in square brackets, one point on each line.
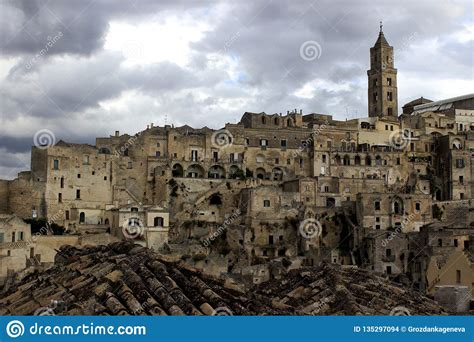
[271, 210]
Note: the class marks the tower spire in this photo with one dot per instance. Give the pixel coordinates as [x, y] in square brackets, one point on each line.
[381, 26]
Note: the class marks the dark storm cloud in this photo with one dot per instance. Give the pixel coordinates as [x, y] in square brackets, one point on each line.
[60, 77]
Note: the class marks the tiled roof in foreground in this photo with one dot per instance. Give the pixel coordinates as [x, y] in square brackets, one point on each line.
[126, 279]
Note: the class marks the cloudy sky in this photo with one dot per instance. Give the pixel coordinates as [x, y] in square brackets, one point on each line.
[85, 68]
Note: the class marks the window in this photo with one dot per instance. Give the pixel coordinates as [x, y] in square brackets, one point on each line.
[263, 142]
[283, 143]
[288, 162]
[78, 194]
[440, 243]
[60, 198]
[374, 82]
[412, 147]
[458, 276]
[82, 217]
[377, 219]
[326, 188]
[388, 252]
[324, 158]
[247, 141]
[377, 205]
[266, 203]
[389, 111]
[62, 182]
[389, 269]
[461, 179]
[157, 144]
[329, 144]
[105, 178]
[301, 162]
[270, 239]
[13, 237]
[391, 127]
[129, 165]
[459, 163]
[55, 164]
[2, 237]
[158, 221]
[455, 242]
[86, 160]
[194, 155]
[418, 206]
[158, 154]
[21, 236]
[461, 195]
[67, 215]
[386, 127]
[277, 161]
[398, 161]
[134, 210]
[215, 156]
[78, 175]
[389, 81]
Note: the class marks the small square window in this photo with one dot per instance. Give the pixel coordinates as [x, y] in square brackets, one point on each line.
[266, 203]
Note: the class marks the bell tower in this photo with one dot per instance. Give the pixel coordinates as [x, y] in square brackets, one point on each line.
[382, 77]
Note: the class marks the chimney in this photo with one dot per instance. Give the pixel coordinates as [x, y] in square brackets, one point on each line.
[117, 133]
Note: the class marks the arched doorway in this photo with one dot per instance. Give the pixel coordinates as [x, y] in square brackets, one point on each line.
[195, 171]
[216, 172]
[82, 217]
[177, 170]
[260, 173]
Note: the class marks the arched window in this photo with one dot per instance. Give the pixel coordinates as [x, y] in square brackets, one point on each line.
[82, 217]
[368, 161]
[264, 120]
[347, 160]
[357, 160]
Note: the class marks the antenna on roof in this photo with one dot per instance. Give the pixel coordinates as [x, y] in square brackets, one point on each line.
[381, 25]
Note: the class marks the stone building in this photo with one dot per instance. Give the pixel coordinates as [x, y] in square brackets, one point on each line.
[239, 197]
